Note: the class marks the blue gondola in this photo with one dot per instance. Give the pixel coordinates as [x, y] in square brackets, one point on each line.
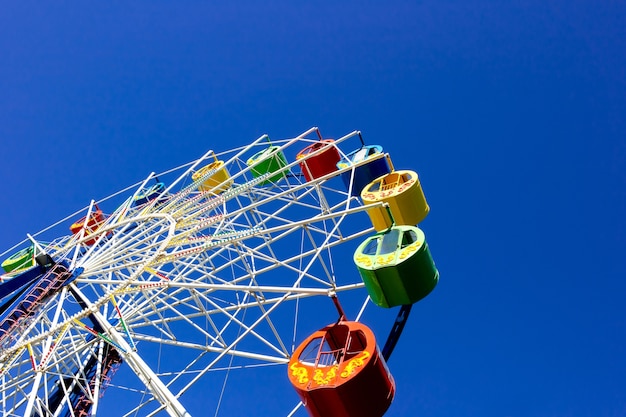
[369, 163]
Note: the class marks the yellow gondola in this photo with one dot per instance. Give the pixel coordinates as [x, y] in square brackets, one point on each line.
[217, 177]
[402, 191]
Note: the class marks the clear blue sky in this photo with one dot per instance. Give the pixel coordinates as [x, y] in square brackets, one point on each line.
[513, 114]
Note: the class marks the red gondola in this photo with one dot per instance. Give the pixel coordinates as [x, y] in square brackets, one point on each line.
[321, 164]
[338, 371]
[96, 219]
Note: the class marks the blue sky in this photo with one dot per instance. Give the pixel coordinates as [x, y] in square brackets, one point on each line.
[512, 114]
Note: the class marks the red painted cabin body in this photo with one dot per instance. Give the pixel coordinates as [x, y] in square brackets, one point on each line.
[338, 371]
[321, 164]
[95, 221]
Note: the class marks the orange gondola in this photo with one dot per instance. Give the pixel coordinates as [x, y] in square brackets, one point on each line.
[339, 371]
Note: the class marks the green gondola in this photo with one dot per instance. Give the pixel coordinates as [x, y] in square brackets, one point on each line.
[268, 161]
[24, 258]
[396, 266]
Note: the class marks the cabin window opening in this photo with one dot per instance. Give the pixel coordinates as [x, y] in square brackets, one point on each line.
[317, 146]
[408, 237]
[389, 243]
[330, 347]
[390, 181]
[310, 352]
[371, 247]
[360, 155]
[375, 187]
[357, 343]
[337, 345]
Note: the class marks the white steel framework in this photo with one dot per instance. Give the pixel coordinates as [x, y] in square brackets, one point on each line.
[192, 282]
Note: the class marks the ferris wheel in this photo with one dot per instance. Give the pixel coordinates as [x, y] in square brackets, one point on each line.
[214, 269]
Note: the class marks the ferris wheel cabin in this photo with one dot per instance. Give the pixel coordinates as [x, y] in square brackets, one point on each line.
[396, 266]
[324, 161]
[268, 161]
[402, 191]
[338, 371]
[150, 194]
[24, 258]
[369, 162]
[214, 177]
[96, 219]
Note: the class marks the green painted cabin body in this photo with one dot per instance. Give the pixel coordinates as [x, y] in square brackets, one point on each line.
[268, 161]
[396, 266]
[25, 258]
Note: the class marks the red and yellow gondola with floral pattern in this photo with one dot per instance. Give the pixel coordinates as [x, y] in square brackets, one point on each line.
[338, 371]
